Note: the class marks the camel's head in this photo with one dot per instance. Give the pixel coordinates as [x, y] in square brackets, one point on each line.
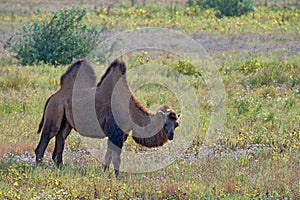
[170, 121]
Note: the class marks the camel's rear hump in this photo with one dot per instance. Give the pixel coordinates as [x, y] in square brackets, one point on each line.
[80, 71]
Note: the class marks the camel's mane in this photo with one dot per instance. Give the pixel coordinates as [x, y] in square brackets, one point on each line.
[140, 106]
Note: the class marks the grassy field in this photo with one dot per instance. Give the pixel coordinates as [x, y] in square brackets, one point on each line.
[256, 155]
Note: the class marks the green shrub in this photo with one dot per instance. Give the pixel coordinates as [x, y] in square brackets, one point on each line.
[234, 7]
[56, 39]
[225, 7]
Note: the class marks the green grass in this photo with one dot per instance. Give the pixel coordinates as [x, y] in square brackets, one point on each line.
[256, 155]
[264, 115]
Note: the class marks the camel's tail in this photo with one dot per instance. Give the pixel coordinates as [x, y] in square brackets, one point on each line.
[42, 120]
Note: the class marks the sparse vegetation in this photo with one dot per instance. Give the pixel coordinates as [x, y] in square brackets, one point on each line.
[257, 152]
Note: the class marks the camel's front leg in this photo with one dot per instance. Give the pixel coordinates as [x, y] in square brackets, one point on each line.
[113, 154]
[116, 160]
[115, 144]
[107, 160]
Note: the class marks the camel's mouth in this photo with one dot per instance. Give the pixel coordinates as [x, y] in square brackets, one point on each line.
[171, 137]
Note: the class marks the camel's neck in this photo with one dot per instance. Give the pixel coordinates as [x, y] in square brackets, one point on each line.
[148, 129]
[138, 113]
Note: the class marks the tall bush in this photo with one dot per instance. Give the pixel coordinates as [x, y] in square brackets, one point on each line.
[225, 7]
[55, 39]
[234, 7]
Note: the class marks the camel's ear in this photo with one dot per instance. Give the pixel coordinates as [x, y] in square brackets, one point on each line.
[164, 115]
[178, 116]
[160, 112]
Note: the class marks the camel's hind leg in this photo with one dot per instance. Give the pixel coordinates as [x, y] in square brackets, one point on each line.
[53, 117]
[44, 141]
[60, 138]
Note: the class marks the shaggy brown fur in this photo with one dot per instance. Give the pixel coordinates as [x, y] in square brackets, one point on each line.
[148, 129]
[64, 93]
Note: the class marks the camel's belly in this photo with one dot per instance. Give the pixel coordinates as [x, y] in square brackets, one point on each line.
[98, 134]
[90, 129]
[85, 114]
